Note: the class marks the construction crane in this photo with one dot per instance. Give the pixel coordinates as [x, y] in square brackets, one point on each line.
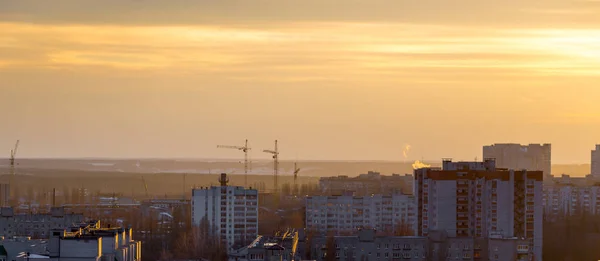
[275, 154]
[145, 187]
[244, 149]
[13, 154]
[296, 170]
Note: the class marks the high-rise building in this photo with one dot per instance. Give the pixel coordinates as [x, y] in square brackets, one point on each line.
[476, 199]
[595, 164]
[518, 157]
[230, 212]
[347, 214]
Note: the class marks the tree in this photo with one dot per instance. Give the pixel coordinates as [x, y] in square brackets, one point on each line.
[403, 228]
[331, 249]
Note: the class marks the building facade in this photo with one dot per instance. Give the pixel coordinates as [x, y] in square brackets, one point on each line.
[36, 225]
[571, 196]
[5, 194]
[367, 184]
[532, 157]
[595, 163]
[476, 199]
[230, 212]
[346, 214]
[366, 245]
[88, 241]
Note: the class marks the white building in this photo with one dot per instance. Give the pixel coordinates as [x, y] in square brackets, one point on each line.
[531, 157]
[346, 214]
[595, 164]
[230, 212]
[476, 199]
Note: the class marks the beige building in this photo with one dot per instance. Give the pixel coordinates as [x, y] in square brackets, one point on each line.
[531, 157]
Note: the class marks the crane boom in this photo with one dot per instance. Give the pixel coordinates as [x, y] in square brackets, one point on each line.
[230, 147]
[244, 149]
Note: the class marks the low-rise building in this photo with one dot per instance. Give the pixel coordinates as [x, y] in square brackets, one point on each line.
[281, 247]
[86, 242]
[367, 246]
[36, 225]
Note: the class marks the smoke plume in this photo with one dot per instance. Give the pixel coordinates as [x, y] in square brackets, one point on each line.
[405, 151]
[420, 165]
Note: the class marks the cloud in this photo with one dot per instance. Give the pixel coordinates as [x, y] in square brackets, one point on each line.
[203, 12]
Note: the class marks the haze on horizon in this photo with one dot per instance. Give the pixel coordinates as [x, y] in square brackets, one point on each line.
[331, 80]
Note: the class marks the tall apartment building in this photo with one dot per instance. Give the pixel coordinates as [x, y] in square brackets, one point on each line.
[347, 214]
[595, 164]
[476, 199]
[231, 212]
[530, 157]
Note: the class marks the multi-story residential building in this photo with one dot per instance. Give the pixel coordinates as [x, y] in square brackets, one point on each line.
[230, 212]
[476, 199]
[5, 194]
[367, 184]
[595, 163]
[346, 214]
[569, 196]
[366, 245]
[36, 225]
[530, 157]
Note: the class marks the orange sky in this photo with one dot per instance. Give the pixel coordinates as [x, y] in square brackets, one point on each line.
[330, 79]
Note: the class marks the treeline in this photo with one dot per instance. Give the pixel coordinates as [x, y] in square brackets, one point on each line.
[572, 238]
[176, 238]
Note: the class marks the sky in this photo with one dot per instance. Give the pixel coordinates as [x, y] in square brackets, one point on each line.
[330, 79]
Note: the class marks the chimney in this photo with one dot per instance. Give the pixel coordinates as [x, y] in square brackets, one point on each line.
[223, 180]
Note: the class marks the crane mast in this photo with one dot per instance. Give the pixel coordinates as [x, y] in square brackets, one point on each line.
[275, 154]
[13, 154]
[296, 170]
[244, 149]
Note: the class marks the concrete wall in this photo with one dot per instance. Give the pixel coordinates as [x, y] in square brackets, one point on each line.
[444, 216]
[81, 248]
